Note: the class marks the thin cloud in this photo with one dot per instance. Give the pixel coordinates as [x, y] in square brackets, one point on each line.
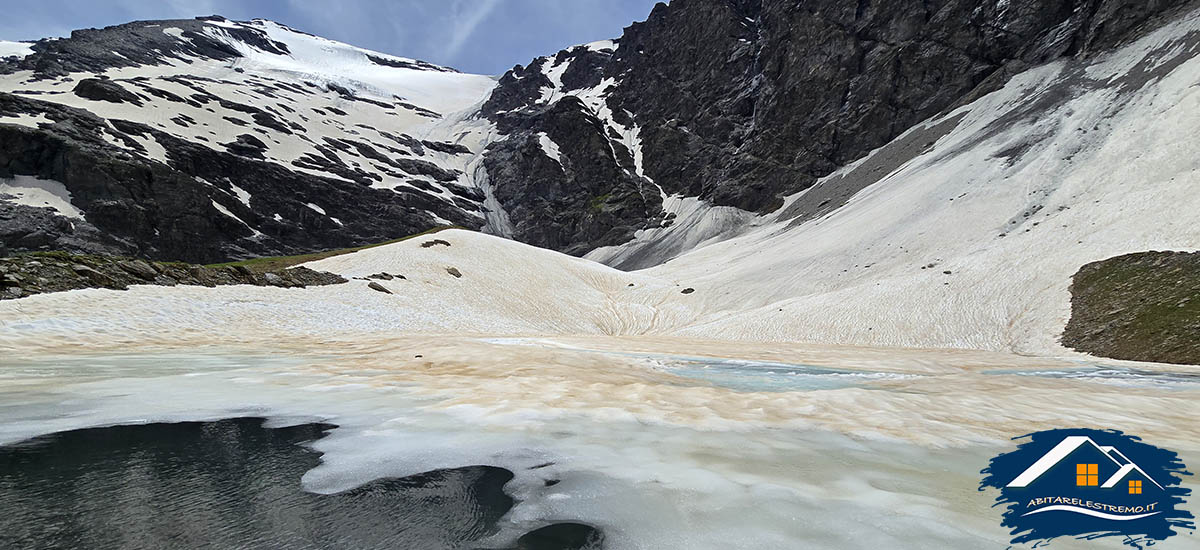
[481, 36]
[468, 16]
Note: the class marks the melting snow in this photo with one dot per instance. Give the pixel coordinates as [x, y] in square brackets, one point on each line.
[227, 212]
[298, 90]
[14, 49]
[242, 195]
[550, 148]
[32, 191]
[24, 119]
[553, 69]
[601, 45]
[326, 60]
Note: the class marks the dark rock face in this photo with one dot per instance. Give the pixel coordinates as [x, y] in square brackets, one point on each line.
[1139, 307]
[740, 102]
[28, 274]
[584, 198]
[247, 146]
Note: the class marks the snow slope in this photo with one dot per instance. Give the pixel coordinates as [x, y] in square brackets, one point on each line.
[315, 58]
[41, 193]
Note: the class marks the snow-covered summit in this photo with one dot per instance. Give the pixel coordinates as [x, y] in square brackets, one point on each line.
[365, 72]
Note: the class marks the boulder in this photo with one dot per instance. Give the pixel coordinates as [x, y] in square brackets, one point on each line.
[105, 90]
[274, 280]
[139, 268]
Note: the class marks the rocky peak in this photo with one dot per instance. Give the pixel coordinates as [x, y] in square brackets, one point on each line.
[141, 43]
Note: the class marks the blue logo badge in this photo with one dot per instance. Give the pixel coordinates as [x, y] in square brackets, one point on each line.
[1089, 484]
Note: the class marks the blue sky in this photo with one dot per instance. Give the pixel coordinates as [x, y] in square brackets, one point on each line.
[479, 36]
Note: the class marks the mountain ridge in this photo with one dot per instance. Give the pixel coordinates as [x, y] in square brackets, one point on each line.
[690, 127]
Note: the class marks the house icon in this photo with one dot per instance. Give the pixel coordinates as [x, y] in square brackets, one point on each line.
[1078, 463]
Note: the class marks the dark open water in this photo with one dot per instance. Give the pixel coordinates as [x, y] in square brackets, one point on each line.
[236, 484]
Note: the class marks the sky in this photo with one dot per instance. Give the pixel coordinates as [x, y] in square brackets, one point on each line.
[476, 36]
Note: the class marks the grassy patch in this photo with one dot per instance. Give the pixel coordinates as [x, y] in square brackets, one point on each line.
[274, 263]
[90, 259]
[597, 203]
[1143, 307]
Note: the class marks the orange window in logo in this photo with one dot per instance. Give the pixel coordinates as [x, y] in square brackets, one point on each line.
[1135, 487]
[1087, 475]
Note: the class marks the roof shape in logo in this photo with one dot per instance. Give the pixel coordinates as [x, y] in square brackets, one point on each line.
[1067, 446]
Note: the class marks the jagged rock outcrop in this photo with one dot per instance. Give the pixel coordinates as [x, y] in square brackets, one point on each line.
[564, 181]
[743, 101]
[578, 195]
[139, 43]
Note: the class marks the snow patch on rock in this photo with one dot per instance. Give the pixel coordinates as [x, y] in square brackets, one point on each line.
[550, 148]
[32, 191]
[15, 49]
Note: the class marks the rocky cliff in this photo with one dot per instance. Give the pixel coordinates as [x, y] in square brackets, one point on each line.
[740, 103]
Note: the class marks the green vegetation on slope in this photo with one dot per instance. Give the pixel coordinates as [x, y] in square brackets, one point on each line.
[30, 273]
[596, 204]
[1143, 306]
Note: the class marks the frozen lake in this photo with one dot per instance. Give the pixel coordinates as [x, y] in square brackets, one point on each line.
[656, 448]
